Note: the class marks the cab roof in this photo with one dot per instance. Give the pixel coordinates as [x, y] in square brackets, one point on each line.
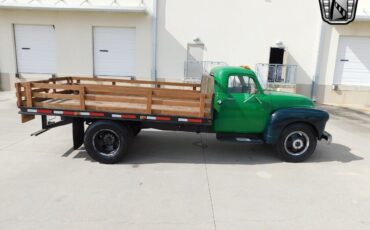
[227, 70]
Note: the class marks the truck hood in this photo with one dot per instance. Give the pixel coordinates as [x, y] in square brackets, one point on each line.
[281, 100]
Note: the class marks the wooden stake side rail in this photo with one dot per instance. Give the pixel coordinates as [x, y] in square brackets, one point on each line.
[155, 98]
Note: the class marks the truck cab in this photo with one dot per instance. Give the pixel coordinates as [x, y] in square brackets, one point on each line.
[245, 111]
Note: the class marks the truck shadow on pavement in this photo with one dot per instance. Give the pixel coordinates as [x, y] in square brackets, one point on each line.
[151, 147]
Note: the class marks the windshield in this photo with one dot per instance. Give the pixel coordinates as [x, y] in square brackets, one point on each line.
[262, 80]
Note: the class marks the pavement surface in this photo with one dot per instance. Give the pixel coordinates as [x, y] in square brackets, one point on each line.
[175, 180]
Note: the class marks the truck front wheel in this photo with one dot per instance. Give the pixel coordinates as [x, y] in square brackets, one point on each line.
[297, 143]
[107, 142]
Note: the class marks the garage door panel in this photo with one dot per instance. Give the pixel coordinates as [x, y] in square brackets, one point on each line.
[353, 61]
[35, 48]
[114, 51]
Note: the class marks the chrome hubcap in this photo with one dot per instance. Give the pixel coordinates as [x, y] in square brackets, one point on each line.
[296, 143]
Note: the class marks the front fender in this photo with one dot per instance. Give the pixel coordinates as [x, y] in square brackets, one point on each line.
[284, 117]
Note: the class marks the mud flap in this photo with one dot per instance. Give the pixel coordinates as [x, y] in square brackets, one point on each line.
[78, 132]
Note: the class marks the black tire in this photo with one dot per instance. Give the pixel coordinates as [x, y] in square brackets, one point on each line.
[136, 130]
[107, 141]
[297, 142]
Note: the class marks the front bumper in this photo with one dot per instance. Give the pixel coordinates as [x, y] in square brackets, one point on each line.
[327, 136]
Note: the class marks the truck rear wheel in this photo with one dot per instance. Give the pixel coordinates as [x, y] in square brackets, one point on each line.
[107, 142]
[297, 143]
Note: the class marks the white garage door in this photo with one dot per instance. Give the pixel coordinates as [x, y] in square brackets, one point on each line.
[353, 61]
[114, 51]
[35, 49]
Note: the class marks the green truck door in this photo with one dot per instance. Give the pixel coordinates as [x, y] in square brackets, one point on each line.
[240, 107]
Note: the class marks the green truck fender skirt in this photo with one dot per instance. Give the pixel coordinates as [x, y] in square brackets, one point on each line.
[281, 118]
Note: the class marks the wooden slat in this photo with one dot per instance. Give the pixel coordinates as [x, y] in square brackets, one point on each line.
[56, 86]
[23, 93]
[113, 93]
[28, 95]
[174, 113]
[168, 102]
[149, 102]
[56, 96]
[137, 81]
[90, 97]
[202, 105]
[115, 109]
[121, 88]
[57, 105]
[82, 97]
[175, 95]
[18, 94]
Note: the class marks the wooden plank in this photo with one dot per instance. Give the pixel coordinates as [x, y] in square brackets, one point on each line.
[56, 96]
[112, 93]
[54, 82]
[175, 94]
[168, 102]
[18, 94]
[23, 93]
[56, 86]
[115, 109]
[27, 118]
[82, 97]
[57, 105]
[174, 113]
[149, 102]
[137, 81]
[202, 105]
[139, 100]
[28, 94]
[109, 88]
[103, 91]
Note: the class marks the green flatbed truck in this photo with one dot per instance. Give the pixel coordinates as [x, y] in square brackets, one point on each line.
[240, 110]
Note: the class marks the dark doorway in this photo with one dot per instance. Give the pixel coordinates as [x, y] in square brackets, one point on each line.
[275, 67]
[276, 55]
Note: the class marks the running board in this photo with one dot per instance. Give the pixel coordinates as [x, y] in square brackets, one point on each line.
[240, 139]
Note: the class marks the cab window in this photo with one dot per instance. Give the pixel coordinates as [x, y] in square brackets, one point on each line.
[241, 84]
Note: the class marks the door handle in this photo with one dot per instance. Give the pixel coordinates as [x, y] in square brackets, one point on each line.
[219, 101]
[344, 60]
[26, 48]
[104, 51]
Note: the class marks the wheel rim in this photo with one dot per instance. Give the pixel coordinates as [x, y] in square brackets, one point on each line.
[296, 143]
[106, 142]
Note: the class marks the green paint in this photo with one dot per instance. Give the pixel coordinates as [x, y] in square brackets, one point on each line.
[237, 109]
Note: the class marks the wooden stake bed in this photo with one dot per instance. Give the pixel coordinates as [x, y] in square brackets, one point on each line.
[116, 96]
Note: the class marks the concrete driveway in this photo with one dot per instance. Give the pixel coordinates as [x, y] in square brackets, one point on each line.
[179, 180]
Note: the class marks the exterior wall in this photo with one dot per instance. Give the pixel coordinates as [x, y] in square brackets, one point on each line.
[74, 39]
[239, 33]
[350, 95]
